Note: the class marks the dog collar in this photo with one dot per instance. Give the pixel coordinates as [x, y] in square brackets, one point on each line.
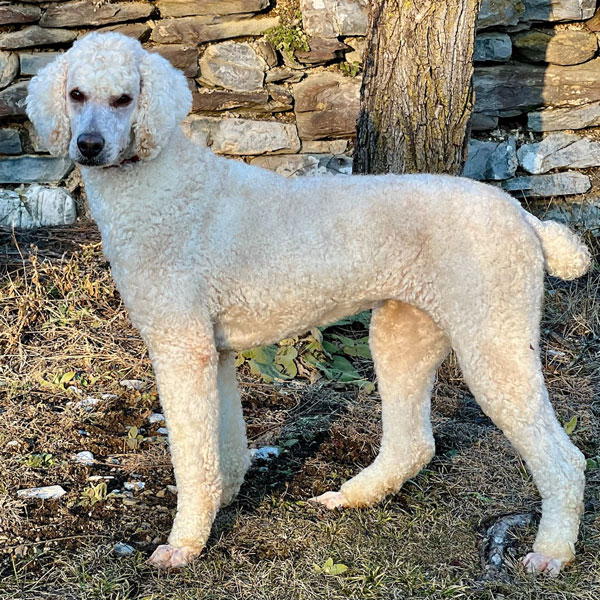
[127, 161]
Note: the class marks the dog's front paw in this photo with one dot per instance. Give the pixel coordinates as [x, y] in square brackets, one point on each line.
[535, 562]
[167, 557]
[332, 500]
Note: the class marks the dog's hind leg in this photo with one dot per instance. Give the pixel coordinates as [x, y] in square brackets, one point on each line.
[407, 348]
[501, 365]
[233, 446]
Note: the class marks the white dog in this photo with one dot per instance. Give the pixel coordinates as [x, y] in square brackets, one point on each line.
[212, 256]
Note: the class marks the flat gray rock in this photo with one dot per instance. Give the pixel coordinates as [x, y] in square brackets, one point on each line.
[555, 119]
[34, 169]
[32, 62]
[17, 14]
[199, 30]
[185, 8]
[233, 65]
[559, 150]
[85, 13]
[35, 35]
[557, 184]
[508, 90]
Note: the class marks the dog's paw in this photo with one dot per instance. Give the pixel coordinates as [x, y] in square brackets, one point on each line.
[535, 562]
[167, 557]
[331, 500]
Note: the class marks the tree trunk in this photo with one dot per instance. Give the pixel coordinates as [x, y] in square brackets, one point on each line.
[417, 93]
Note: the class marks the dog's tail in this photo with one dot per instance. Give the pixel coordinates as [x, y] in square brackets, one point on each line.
[565, 255]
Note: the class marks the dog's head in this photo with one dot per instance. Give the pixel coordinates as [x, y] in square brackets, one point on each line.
[107, 99]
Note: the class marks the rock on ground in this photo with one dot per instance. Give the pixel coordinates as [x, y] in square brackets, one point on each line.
[37, 207]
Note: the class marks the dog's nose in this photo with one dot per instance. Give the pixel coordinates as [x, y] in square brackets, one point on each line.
[90, 144]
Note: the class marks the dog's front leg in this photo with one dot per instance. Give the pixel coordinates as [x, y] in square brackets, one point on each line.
[186, 373]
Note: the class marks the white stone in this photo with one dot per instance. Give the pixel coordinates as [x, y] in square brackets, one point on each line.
[234, 66]
[42, 493]
[37, 207]
[88, 403]
[156, 418]
[264, 453]
[559, 150]
[84, 458]
[132, 384]
[162, 431]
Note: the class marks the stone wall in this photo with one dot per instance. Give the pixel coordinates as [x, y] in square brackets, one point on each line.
[537, 113]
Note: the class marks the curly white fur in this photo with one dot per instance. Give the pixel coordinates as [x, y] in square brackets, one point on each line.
[212, 255]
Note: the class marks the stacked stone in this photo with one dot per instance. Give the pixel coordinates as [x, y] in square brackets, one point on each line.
[537, 81]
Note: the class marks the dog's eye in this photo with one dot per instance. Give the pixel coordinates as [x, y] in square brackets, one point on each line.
[77, 95]
[123, 100]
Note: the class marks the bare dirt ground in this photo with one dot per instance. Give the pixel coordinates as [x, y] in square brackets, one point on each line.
[65, 337]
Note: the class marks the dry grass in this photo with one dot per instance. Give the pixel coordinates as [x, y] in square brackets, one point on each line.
[60, 314]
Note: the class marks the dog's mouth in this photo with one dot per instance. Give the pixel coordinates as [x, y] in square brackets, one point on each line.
[90, 162]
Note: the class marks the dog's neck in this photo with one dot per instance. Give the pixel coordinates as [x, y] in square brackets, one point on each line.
[111, 189]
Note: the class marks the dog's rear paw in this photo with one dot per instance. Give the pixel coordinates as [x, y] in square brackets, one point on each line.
[535, 562]
[332, 500]
[167, 557]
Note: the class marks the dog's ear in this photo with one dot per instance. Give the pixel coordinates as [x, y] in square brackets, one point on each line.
[47, 106]
[165, 100]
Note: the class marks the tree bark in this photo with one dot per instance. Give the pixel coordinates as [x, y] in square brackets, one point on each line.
[417, 92]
